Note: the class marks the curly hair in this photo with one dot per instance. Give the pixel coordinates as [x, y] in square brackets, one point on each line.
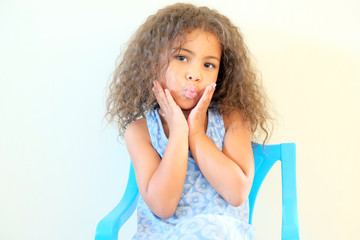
[130, 96]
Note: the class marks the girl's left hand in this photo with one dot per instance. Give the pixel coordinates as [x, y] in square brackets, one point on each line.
[197, 117]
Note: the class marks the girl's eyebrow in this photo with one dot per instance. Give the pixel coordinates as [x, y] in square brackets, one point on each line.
[178, 49]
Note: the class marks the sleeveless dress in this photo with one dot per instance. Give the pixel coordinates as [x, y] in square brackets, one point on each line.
[201, 213]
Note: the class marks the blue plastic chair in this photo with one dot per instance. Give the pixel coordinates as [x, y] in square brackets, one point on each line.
[265, 158]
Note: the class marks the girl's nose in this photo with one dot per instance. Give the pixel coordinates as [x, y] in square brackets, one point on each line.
[192, 77]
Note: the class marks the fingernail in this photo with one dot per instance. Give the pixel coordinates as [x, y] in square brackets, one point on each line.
[213, 85]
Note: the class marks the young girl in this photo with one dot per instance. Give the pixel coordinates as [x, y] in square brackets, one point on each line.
[188, 103]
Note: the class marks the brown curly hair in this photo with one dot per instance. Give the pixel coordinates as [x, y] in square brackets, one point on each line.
[147, 55]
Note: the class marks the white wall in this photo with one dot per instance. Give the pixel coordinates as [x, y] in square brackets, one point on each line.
[62, 168]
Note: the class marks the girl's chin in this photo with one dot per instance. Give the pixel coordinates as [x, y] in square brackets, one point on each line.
[188, 105]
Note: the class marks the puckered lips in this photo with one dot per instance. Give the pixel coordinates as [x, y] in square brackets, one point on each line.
[191, 92]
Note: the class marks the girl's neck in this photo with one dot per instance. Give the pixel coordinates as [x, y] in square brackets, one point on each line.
[186, 113]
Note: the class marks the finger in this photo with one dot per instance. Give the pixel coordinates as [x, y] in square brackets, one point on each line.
[157, 87]
[205, 99]
[159, 94]
[165, 99]
[166, 93]
[169, 97]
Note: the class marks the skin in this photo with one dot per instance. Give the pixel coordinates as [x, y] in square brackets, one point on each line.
[184, 117]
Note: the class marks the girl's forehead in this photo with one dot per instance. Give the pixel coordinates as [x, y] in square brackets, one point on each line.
[191, 35]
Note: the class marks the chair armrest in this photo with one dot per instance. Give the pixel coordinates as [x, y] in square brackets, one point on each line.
[108, 227]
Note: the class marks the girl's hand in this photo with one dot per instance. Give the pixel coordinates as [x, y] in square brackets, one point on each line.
[169, 110]
[197, 116]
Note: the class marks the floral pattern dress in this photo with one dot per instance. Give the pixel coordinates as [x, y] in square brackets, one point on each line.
[201, 213]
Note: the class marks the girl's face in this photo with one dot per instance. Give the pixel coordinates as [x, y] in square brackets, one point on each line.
[192, 67]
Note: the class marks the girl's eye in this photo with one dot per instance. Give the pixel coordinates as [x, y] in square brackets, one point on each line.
[181, 58]
[209, 65]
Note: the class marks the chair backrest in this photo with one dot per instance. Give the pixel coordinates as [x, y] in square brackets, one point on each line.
[265, 157]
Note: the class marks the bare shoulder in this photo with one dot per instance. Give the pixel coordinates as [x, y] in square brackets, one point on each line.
[136, 131]
[235, 119]
[137, 137]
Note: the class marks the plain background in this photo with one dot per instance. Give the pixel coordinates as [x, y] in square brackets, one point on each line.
[62, 169]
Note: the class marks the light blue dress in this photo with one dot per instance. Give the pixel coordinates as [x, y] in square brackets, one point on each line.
[201, 213]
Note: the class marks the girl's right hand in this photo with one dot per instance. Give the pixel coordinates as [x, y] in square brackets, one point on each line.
[169, 110]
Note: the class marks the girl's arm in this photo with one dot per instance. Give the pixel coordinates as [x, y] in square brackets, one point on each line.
[230, 172]
[160, 181]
